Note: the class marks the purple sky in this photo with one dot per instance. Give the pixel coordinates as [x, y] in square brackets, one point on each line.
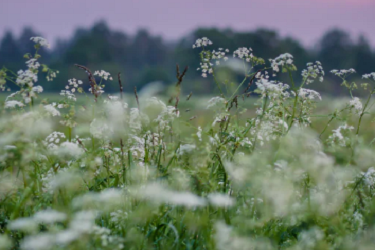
[303, 19]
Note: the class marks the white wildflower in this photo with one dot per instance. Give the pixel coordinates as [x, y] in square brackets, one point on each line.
[73, 84]
[26, 77]
[99, 128]
[49, 216]
[103, 74]
[136, 118]
[118, 216]
[159, 194]
[67, 236]
[199, 133]
[271, 88]
[337, 135]
[37, 89]
[32, 64]
[312, 72]
[69, 149]
[68, 94]
[41, 41]
[356, 104]
[12, 104]
[309, 94]
[23, 224]
[216, 101]
[369, 177]
[38, 242]
[220, 200]
[358, 219]
[110, 195]
[243, 53]
[309, 239]
[369, 76]
[202, 42]
[83, 221]
[343, 73]
[54, 139]
[186, 149]
[52, 110]
[63, 179]
[225, 239]
[281, 61]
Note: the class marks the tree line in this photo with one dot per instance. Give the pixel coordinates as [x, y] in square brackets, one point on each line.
[144, 58]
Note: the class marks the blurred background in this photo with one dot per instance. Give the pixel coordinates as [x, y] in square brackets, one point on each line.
[145, 39]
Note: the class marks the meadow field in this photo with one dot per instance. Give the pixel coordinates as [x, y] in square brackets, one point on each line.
[262, 164]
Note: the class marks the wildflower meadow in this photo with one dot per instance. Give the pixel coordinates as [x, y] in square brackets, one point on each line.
[260, 164]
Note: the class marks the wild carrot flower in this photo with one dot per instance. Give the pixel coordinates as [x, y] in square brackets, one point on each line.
[12, 104]
[202, 42]
[369, 76]
[356, 104]
[41, 41]
[103, 74]
[52, 110]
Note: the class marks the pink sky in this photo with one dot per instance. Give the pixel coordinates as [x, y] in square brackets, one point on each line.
[303, 19]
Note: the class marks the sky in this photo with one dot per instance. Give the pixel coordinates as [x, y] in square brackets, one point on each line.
[305, 20]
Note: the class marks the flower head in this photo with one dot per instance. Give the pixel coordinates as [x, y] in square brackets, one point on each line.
[41, 41]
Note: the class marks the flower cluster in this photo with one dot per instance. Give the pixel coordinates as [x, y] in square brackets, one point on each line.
[215, 102]
[369, 177]
[186, 149]
[103, 74]
[37, 89]
[68, 95]
[309, 94]
[41, 41]
[26, 77]
[284, 60]
[73, 85]
[54, 139]
[356, 104]
[338, 136]
[51, 75]
[202, 42]
[272, 88]
[369, 76]
[52, 110]
[68, 150]
[221, 54]
[13, 104]
[106, 239]
[118, 217]
[206, 67]
[343, 73]
[312, 72]
[243, 53]
[97, 89]
[33, 64]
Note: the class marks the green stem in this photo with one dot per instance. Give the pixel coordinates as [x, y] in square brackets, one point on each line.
[296, 98]
[334, 115]
[324, 130]
[363, 111]
[294, 111]
[217, 84]
[239, 86]
[291, 79]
